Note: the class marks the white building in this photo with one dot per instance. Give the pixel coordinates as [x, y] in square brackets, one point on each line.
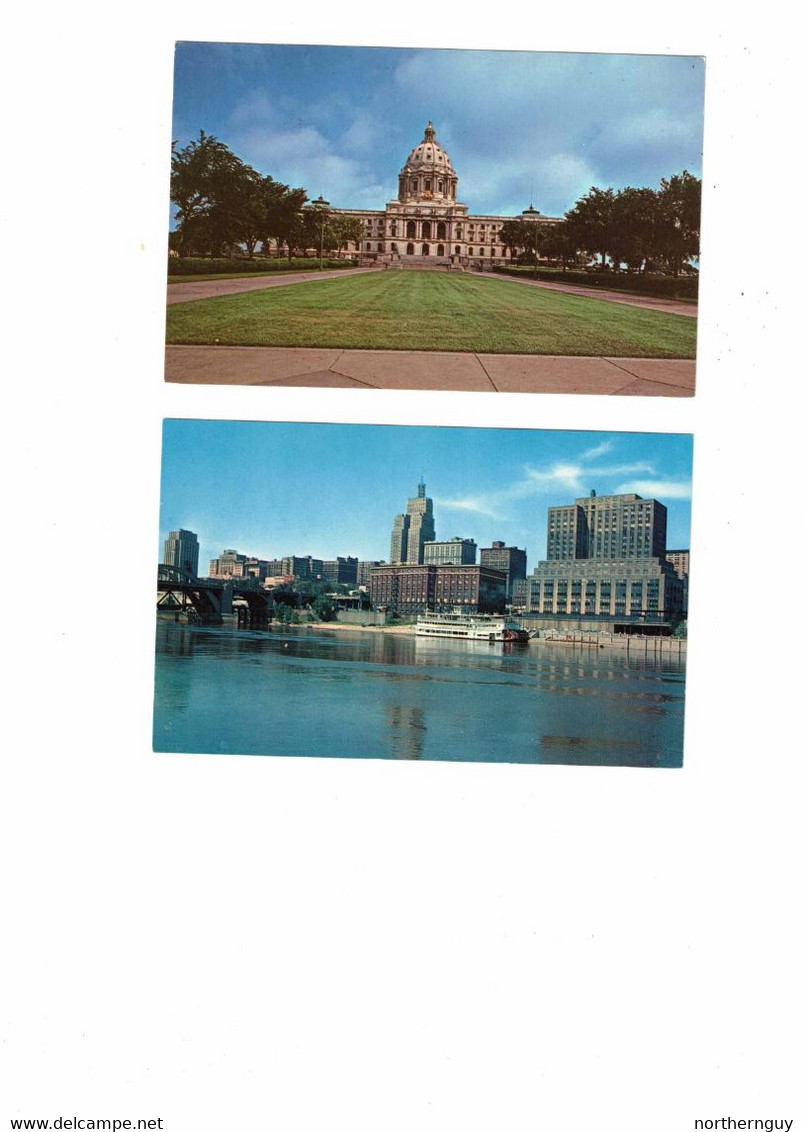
[427, 225]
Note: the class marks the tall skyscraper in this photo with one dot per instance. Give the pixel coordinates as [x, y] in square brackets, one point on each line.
[607, 526]
[412, 529]
[181, 551]
[606, 560]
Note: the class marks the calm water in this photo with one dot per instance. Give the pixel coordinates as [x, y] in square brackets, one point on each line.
[374, 695]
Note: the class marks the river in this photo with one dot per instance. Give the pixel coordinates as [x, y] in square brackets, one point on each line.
[296, 691]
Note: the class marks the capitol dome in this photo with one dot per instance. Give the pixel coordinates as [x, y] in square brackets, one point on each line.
[428, 173]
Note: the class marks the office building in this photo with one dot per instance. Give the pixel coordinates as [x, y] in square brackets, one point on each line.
[340, 571]
[606, 562]
[607, 527]
[509, 559]
[412, 529]
[409, 590]
[181, 551]
[453, 552]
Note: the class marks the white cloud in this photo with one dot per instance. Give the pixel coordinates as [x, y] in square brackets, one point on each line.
[601, 449]
[656, 489]
[478, 504]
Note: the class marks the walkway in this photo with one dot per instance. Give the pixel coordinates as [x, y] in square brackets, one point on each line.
[405, 369]
[212, 288]
[648, 302]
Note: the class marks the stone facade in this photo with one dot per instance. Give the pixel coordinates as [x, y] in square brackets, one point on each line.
[427, 225]
[606, 558]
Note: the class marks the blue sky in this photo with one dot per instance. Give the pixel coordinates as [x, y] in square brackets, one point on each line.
[272, 489]
[341, 121]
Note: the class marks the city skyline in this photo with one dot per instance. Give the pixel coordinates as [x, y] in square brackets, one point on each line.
[273, 489]
[339, 121]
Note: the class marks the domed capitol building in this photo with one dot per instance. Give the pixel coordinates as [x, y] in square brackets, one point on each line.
[427, 225]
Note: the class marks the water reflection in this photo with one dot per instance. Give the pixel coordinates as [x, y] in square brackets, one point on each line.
[406, 731]
[354, 694]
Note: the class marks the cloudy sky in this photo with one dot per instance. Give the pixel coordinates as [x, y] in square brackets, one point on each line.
[341, 121]
[273, 489]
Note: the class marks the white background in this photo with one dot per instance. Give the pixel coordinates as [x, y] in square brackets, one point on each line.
[309, 944]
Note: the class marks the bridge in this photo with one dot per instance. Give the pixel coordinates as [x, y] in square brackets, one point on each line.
[208, 601]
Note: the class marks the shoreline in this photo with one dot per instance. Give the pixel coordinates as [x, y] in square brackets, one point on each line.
[606, 640]
[342, 627]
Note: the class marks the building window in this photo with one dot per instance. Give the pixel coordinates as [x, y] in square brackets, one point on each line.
[410, 228]
[457, 250]
[425, 249]
[410, 249]
[441, 250]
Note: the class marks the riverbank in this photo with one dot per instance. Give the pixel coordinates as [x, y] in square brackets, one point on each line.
[631, 643]
[341, 627]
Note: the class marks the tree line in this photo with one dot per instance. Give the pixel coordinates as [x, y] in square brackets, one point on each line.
[221, 203]
[644, 229]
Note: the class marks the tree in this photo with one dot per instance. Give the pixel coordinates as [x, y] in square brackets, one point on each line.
[557, 243]
[511, 235]
[324, 608]
[287, 223]
[345, 230]
[259, 204]
[207, 185]
[679, 206]
[634, 228]
[590, 222]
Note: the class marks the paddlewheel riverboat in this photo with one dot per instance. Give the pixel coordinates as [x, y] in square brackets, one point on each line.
[489, 627]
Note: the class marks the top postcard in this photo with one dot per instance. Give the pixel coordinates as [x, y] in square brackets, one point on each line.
[385, 218]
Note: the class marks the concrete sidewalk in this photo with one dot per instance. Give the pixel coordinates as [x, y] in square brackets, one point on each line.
[213, 288]
[405, 369]
[647, 302]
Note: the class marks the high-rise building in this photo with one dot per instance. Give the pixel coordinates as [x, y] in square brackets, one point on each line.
[306, 569]
[181, 551]
[510, 559]
[607, 526]
[342, 571]
[230, 564]
[680, 560]
[412, 529]
[453, 552]
[606, 560]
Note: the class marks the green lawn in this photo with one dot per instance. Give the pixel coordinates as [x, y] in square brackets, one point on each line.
[423, 310]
